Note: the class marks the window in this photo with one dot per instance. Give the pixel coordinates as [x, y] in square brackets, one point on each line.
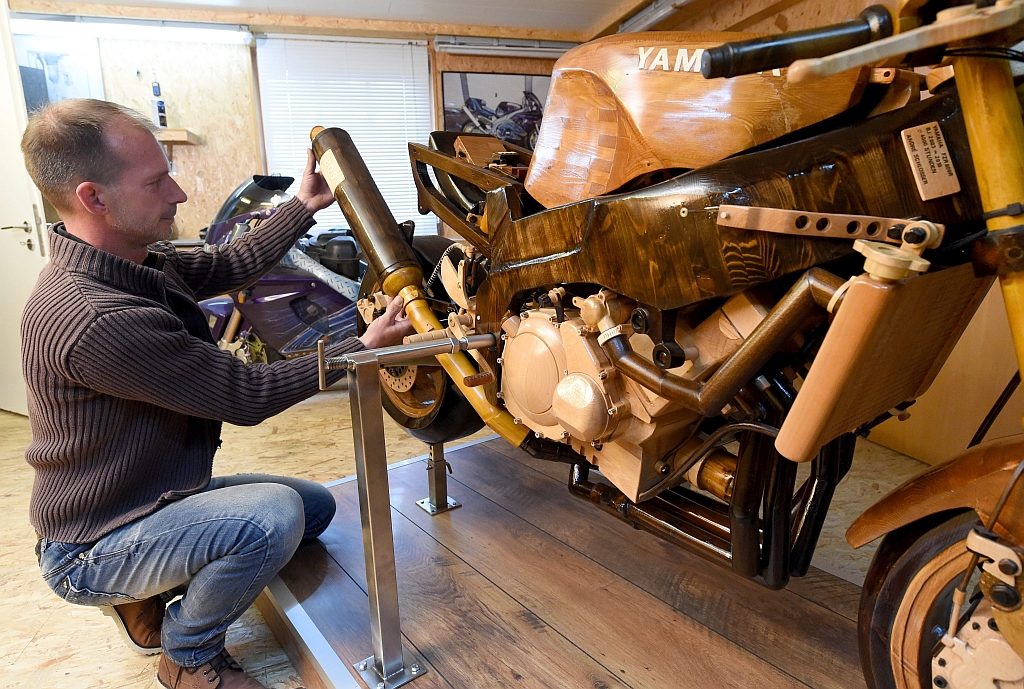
[378, 91]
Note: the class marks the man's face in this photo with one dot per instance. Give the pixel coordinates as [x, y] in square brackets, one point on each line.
[143, 199]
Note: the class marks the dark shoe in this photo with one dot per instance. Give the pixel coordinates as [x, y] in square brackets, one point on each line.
[222, 672]
[139, 624]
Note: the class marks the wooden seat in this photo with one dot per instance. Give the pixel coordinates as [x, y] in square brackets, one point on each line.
[630, 104]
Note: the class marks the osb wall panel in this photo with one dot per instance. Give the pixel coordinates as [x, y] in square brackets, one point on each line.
[209, 90]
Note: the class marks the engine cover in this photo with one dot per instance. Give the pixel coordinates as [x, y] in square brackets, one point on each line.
[557, 381]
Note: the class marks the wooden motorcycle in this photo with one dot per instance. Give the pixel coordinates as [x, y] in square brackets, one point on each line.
[696, 285]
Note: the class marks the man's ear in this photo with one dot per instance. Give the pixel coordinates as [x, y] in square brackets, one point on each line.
[91, 197]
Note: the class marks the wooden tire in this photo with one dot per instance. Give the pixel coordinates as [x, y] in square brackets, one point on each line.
[906, 600]
[432, 409]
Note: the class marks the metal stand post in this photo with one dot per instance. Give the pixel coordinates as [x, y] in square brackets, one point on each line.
[390, 665]
[437, 479]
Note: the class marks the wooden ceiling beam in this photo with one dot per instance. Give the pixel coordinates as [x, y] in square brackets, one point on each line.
[767, 16]
[293, 23]
[608, 23]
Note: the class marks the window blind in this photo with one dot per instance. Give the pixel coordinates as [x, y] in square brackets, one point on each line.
[378, 91]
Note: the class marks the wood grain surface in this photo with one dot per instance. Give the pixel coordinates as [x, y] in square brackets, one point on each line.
[527, 585]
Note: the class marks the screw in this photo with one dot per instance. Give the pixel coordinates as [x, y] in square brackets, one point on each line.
[612, 411]
[565, 434]
[414, 669]
[602, 374]
[524, 314]
[517, 421]
[380, 685]
[1007, 566]
[895, 231]
[362, 665]
[500, 361]
[915, 235]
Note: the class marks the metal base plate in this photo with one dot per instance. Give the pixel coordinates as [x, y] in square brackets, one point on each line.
[412, 667]
[433, 509]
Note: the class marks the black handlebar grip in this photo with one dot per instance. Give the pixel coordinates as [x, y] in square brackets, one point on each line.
[772, 52]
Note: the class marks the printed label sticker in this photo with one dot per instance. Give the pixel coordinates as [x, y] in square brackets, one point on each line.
[930, 161]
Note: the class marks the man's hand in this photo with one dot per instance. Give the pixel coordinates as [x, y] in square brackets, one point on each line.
[313, 190]
[390, 328]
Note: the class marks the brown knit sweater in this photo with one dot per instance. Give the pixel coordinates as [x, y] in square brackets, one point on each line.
[127, 390]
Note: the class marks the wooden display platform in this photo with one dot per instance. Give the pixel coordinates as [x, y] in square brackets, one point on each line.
[528, 586]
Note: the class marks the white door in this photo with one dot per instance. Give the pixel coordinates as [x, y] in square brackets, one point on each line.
[21, 252]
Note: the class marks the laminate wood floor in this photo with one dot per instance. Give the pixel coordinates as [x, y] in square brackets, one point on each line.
[48, 644]
[527, 586]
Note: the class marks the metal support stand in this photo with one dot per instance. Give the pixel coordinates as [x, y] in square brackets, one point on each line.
[390, 665]
[437, 479]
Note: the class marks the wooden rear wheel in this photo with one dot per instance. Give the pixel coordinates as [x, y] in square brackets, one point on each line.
[423, 399]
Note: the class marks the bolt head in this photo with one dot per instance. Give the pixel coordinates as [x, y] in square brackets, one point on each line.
[414, 669]
[380, 685]
[915, 235]
[1005, 596]
[362, 666]
[1007, 566]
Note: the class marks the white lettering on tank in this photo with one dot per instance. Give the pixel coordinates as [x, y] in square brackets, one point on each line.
[686, 59]
[685, 63]
[661, 60]
[644, 54]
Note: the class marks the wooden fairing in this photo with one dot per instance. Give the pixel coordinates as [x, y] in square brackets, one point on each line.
[885, 346]
[630, 104]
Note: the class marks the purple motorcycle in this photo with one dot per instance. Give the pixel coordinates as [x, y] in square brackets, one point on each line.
[310, 294]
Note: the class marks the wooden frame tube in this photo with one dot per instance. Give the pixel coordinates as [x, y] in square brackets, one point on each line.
[810, 294]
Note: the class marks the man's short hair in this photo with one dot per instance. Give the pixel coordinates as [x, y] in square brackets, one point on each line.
[64, 145]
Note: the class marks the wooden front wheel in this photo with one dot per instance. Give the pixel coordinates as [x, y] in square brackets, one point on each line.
[906, 600]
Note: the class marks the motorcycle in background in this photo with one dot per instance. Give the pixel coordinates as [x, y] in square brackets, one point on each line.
[310, 294]
[512, 122]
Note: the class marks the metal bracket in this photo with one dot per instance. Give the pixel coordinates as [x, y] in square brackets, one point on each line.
[1001, 561]
[391, 665]
[1000, 252]
[801, 223]
[437, 479]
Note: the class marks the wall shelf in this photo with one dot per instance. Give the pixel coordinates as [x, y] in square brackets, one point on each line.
[177, 137]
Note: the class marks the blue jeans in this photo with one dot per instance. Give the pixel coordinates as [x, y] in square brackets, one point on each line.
[219, 548]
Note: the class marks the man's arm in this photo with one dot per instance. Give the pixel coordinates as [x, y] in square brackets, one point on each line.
[147, 355]
[213, 270]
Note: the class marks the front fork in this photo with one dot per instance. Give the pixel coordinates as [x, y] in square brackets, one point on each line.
[995, 131]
